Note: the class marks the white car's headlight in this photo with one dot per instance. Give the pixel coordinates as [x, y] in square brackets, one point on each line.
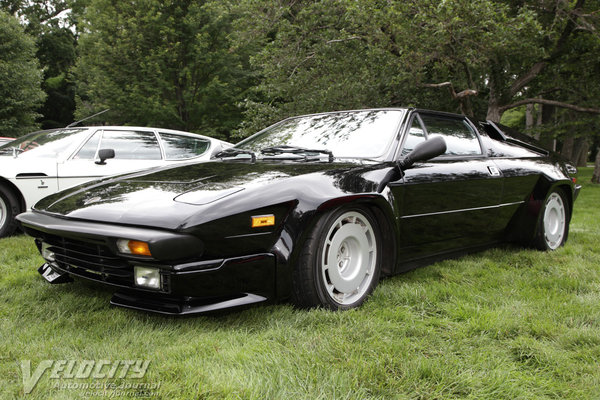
[47, 253]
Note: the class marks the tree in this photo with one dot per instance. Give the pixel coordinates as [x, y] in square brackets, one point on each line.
[20, 79]
[596, 175]
[314, 56]
[56, 51]
[162, 63]
[53, 24]
[480, 58]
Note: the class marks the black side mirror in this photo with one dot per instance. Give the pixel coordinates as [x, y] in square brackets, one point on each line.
[105, 154]
[423, 151]
[426, 150]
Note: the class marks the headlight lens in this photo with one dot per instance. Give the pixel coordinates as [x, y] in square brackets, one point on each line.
[134, 247]
[147, 277]
[47, 253]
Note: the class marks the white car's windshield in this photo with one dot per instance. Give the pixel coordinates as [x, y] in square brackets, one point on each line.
[46, 144]
[348, 134]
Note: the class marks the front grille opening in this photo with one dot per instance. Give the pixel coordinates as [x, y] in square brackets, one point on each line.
[86, 259]
[90, 260]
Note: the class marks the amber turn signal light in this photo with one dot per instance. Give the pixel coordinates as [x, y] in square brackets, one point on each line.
[263, 220]
[134, 247]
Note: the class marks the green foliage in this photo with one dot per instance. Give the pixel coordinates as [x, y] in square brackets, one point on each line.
[332, 54]
[56, 50]
[162, 63]
[229, 68]
[507, 323]
[317, 56]
[52, 23]
[573, 78]
[515, 118]
[20, 78]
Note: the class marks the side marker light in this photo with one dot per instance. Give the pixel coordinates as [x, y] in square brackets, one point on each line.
[259, 221]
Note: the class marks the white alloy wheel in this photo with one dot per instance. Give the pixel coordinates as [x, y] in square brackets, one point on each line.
[555, 221]
[349, 258]
[3, 212]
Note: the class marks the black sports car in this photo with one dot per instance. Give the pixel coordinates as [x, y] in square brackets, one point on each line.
[314, 209]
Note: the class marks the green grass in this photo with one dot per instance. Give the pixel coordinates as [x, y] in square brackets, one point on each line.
[503, 324]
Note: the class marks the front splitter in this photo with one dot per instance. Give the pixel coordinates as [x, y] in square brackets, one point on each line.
[184, 306]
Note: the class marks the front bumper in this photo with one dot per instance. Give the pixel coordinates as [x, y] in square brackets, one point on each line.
[192, 287]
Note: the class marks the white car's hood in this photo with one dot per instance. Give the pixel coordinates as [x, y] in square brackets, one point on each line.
[22, 167]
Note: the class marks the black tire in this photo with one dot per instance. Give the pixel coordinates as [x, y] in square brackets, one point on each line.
[337, 256]
[9, 209]
[553, 223]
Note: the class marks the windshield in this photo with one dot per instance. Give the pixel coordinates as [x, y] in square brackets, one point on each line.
[348, 134]
[46, 144]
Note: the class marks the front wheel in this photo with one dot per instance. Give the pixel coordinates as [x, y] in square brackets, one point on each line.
[9, 208]
[553, 225]
[341, 261]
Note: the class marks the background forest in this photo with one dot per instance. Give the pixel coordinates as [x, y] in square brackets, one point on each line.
[228, 68]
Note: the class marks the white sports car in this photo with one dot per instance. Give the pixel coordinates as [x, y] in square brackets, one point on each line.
[42, 163]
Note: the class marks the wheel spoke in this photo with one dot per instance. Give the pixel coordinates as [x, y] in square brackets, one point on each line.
[3, 212]
[554, 223]
[349, 258]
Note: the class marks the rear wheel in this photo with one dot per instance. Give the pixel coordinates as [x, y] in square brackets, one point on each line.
[9, 208]
[341, 261]
[553, 225]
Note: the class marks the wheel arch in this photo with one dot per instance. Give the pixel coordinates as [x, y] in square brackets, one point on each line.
[568, 191]
[384, 215]
[524, 224]
[16, 191]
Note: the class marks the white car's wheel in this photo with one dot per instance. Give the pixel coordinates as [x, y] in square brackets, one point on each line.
[553, 225]
[9, 208]
[340, 265]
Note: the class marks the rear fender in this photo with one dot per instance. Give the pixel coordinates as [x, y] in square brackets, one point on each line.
[523, 226]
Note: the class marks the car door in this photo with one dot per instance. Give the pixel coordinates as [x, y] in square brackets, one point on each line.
[134, 150]
[449, 202]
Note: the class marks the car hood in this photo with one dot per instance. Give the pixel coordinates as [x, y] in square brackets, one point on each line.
[191, 194]
[11, 167]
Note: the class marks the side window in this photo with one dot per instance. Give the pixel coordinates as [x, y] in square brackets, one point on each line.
[460, 138]
[414, 136]
[178, 147]
[88, 151]
[131, 145]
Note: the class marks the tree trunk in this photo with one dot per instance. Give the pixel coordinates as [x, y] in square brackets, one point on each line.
[529, 116]
[545, 117]
[596, 176]
[539, 123]
[493, 112]
[567, 148]
[580, 152]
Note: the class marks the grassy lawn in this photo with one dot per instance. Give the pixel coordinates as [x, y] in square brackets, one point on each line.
[503, 324]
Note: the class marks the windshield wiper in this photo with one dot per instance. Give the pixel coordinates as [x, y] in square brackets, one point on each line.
[233, 152]
[296, 150]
